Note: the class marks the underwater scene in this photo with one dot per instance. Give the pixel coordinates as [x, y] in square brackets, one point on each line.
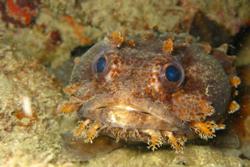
[124, 83]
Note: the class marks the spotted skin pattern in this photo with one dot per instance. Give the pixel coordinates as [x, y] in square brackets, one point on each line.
[133, 99]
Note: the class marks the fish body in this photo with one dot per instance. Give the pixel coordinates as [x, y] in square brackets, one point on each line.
[155, 89]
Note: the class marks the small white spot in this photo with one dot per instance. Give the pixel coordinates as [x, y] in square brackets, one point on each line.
[207, 90]
[108, 77]
[113, 118]
[124, 107]
[26, 104]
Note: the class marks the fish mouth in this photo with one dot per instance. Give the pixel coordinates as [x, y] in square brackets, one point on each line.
[140, 115]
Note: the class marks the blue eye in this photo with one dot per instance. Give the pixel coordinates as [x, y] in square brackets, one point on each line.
[101, 65]
[173, 74]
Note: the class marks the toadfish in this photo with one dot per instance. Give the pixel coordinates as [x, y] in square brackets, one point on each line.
[154, 89]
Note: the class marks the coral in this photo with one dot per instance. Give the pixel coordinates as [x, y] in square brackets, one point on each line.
[78, 30]
[19, 12]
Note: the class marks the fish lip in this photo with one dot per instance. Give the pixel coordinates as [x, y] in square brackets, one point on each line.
[124, 107]
[128, 116]
[118, 107]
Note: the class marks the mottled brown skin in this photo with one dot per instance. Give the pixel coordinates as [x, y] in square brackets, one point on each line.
[133, 100]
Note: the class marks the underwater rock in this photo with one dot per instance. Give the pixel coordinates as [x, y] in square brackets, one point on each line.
[192, 156]
[208, 30]
[28, 98]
